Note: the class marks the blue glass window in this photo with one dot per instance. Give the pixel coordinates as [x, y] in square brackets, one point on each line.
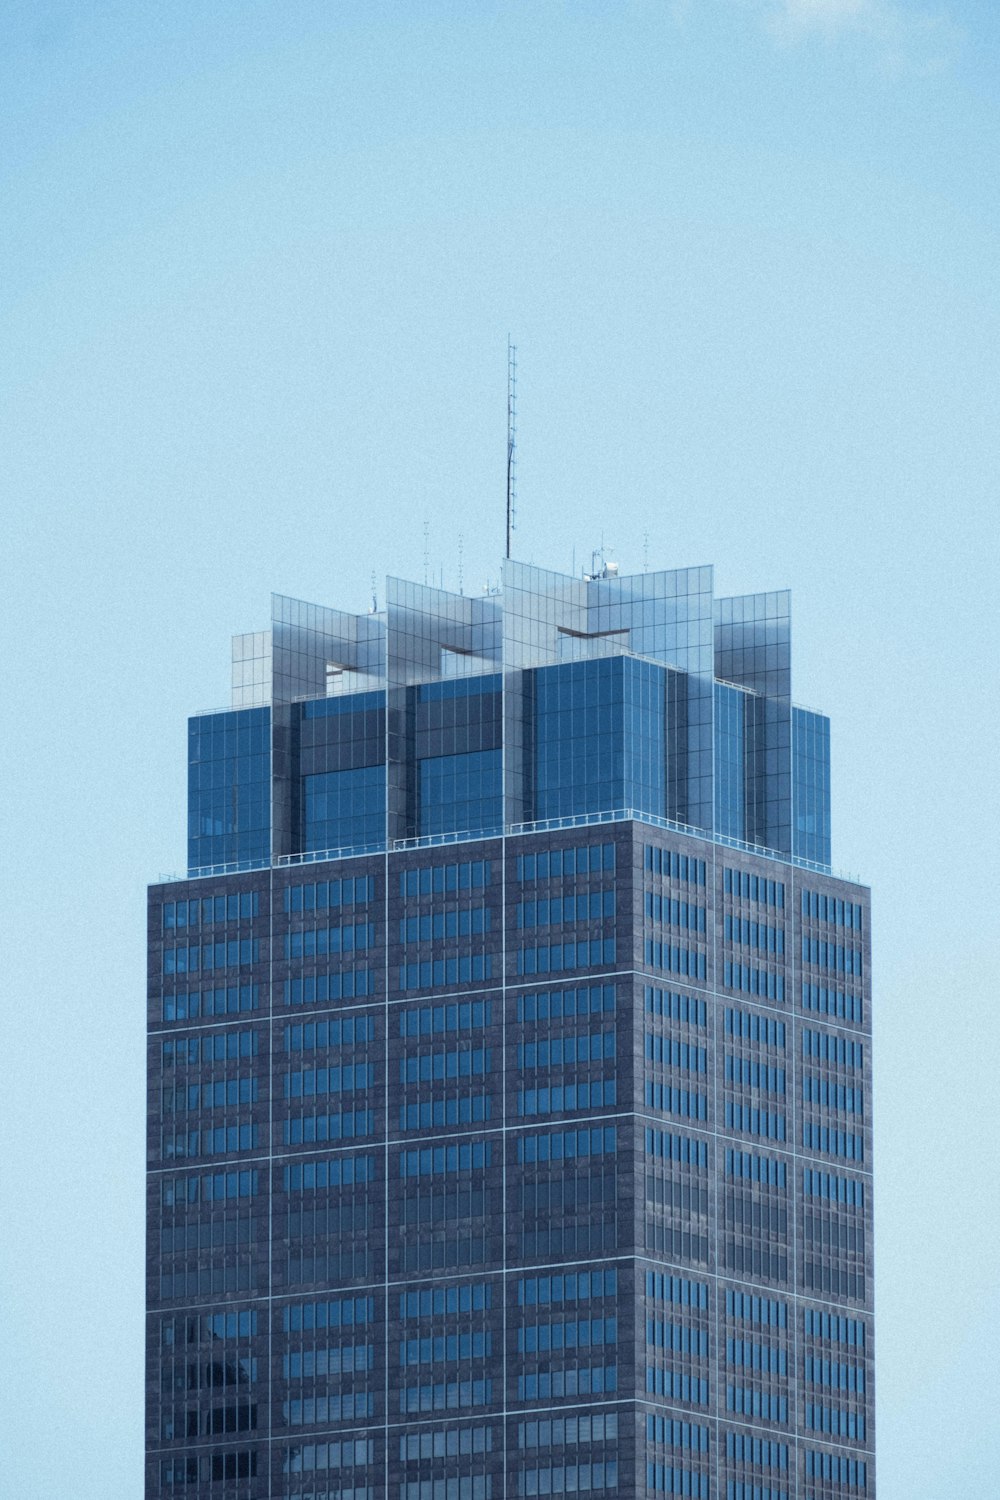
[461, 793]
[344, 809]
[811, 785]
[600, 737]
[229, 788]
[730, 762]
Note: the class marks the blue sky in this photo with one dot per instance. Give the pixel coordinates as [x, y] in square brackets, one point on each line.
[257, 271]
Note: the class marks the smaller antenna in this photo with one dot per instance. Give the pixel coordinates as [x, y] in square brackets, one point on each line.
[511, 437]
[427, 532]
[461, 551]
[645, 551]
[374, 595]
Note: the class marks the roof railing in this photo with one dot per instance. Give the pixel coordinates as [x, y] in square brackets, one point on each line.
[544, 825]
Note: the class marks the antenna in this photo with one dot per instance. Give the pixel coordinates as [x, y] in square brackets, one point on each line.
[645, 552]
[511, 437]
[374, 595]
[427, 532]
[461, 559]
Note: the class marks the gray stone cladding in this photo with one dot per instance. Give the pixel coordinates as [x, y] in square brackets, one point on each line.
[583, 1204]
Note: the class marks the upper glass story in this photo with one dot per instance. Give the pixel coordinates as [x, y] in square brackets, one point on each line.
[554, 697]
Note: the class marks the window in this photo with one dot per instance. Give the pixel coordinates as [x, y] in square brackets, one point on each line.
[747, 887]
[833, 1142]
[767, 1311]
[449, 922]
[836, 1421]
[305, 1083]
[597, 1094]
[754, 935]
[435, 880]
[662, 1287]
[753, 981]
[832, 909]
[314, 942]
[184, 1005]
[554, 1005]
[215, 1187]
[445, 1442]
[457, 1062]
[824, 1325]
[446, 1395]
[764, 1169]
[677, 1337]
[837, 1468]
[460, 793]
[468, 968]
[317, 989]
[747, 1072]
[753, 1403]
[235, 907]
[831, 1002]
[344, 809]
[674, 1054]
[317, 895]
[565, 1051]
[673, 1434]
[569, 1478]
[549, 958]
[835, 956]
[673, 865]
[582, 1286]
[754, 1028]
[447, 1347]
[832, 1095]
[680, 1148]
[745, 1448]
[461, 1109]
[552, 864]
[674, 960]
[439, 1160]
[566, 1333]
[353, 1031]
[231, 954]
[674, 913]
[344, 1126]
[678, 1385]
[558, 911]
[673, 1481]
[754, 1121]
[339, 1312]
[768, 1358]
[571, 1380]
[434, 1020]
[677, 1007]
[826, 1046]
[568, 1432]
[839, 1377]
[334, 1171]
[189, 1051]
[435, 1302]
[306, 1457]
[566, 1145]
[673, 1101]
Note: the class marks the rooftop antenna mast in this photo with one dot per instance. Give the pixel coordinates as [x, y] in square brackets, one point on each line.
[511, 437]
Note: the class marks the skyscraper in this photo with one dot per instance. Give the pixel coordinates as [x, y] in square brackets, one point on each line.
[509, 1109]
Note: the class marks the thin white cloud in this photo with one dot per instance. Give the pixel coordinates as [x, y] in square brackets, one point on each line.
[907, 37]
